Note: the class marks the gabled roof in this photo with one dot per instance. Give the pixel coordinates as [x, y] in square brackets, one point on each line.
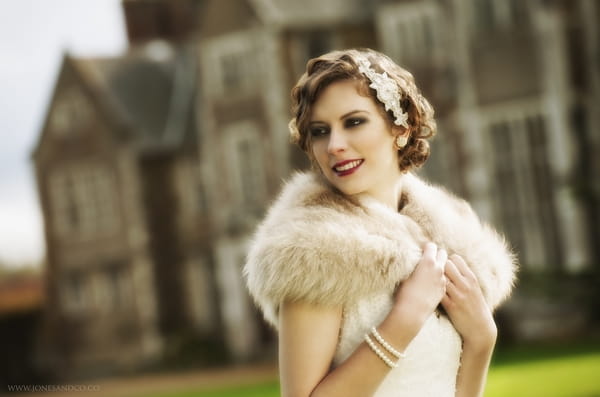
[152, 88]
[147, 95]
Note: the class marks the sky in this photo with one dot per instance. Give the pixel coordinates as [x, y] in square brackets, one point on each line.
[34, 35]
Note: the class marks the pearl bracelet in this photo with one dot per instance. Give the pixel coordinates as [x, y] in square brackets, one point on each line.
[386, 345]
[379, 353]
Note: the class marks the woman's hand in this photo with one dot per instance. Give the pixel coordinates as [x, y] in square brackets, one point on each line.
[421, 293]
[472, 318]
[466, 306]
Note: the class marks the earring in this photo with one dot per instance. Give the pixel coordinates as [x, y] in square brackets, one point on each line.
[401, 141]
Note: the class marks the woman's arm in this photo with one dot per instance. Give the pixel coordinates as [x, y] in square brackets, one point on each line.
[307, 342]
[308, 337]
[474, 366]
[472, 318]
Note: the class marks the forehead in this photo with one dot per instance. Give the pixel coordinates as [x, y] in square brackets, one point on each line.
[339, 98]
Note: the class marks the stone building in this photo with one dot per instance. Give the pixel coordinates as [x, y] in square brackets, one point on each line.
[515, 84]
[516, 88]
[127, 236]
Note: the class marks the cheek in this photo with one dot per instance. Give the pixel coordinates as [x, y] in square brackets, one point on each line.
[318, 151]
[374, 144]
[381, 148]
[317, 148]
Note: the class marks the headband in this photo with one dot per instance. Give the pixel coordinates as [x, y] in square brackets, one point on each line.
[387, 90]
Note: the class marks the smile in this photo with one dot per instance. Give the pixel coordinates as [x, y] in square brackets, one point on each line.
[347, 167]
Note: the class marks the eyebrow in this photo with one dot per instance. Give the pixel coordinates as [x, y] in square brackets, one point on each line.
[345, 115]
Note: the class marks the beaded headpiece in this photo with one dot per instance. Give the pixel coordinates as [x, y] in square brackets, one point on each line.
[386, 88]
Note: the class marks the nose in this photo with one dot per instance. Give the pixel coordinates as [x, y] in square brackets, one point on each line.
[337, 142]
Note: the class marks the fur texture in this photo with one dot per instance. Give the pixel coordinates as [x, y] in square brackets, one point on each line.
[319, 246]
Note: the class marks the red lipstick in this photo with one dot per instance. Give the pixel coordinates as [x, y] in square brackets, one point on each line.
[347, 167]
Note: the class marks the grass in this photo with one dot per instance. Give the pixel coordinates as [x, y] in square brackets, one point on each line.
[567, 371]
[575, 376]
[559, 371]
[268, 389]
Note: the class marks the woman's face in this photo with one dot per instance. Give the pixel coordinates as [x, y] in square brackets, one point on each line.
[352, 143]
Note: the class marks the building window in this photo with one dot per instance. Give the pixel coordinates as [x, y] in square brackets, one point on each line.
[318, 43]
[307, 45]
[71, 112]
[542, 183]
[246, 162]
[247, 170]
[201, 201]
[233, 75]
[490, 15]
[200, 289]
[410, 31]
[524, 200]
[109, 289]
[508, 207]
[117, 287]
[232, 65]
[190, 186]
[83, 201]
[75, 293]
[239, 71]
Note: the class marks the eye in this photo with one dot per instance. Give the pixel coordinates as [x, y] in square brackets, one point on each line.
[354, 122]
[318, 130]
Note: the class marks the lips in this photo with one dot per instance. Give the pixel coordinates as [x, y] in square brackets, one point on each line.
[346, 167]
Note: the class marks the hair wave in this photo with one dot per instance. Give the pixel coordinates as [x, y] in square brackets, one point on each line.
[341, 65]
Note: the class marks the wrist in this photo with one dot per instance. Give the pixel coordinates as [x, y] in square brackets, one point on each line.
[401, 325]
[484, 337]
[481, 344]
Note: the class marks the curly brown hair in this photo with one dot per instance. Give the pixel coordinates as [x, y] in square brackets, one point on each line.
[342, 65]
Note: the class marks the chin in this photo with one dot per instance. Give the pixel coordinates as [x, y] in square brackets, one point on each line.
[349, 189]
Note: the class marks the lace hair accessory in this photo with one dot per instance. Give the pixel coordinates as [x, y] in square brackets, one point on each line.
[387, 90]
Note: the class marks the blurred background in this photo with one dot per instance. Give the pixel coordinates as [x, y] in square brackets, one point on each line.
[142, 141]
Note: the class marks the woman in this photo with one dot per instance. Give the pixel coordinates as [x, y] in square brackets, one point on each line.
[378, 283]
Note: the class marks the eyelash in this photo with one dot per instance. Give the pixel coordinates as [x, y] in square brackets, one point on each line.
[348, 123]
[317, 132]
[354, 122]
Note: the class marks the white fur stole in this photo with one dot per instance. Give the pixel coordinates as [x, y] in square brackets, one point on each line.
[318, 246]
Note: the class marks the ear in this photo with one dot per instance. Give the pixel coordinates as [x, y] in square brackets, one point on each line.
[398, 130]
[401, 136]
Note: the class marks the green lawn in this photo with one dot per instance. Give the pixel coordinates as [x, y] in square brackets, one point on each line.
[270, 389]
[529, 372]
[566, 372]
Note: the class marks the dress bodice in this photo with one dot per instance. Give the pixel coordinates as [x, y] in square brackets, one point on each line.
[432, 358]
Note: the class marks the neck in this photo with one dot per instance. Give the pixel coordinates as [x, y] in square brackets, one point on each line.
[390, 195]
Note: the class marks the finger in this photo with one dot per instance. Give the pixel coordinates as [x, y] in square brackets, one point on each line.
[447, 302]
[430, 250]
[462, 266]
[441, 257]
[452, 272]
[452, 291]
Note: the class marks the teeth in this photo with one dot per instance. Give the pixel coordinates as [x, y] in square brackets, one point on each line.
[348, 166]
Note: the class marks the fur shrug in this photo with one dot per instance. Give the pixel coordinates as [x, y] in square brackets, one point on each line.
[318, 246]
